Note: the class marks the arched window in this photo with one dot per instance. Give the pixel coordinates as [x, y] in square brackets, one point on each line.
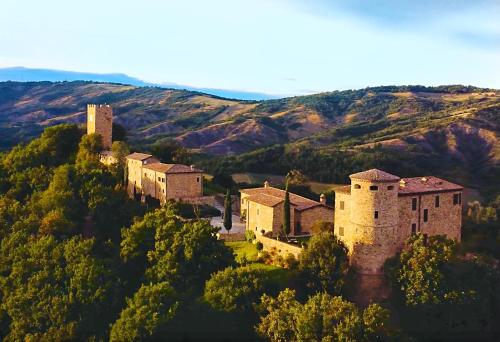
[390, 187]
[357, 186]
[373, 187]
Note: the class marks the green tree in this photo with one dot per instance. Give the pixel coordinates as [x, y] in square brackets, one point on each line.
[324, 263]
[286, 212]
[445, 293]
[228, 212]
[187, 253]
[146, 313]
[88, 151]
[322, 318]
[235, 289]
[53, 290]
[120, 150]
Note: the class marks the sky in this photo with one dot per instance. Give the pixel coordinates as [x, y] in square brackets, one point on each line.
[280, 47]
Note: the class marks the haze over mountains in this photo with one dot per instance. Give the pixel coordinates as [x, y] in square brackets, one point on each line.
[22, 74]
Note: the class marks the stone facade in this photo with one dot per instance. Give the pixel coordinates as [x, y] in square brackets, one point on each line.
[162, 181]
[376, 214]
[282, 248]
[262, 209]
[100, 121]
[135, 162]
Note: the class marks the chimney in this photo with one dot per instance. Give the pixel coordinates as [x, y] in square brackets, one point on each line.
[266, 184]
[322, 199]
[192, 167]
[424, 179]
[402, 183]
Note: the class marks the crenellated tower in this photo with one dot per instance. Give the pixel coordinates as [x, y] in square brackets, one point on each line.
[100, 121]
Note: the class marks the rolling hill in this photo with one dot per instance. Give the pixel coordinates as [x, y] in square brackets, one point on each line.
[457, 122]
[393, 116]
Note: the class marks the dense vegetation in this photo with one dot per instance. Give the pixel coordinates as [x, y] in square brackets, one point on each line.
[79, 260]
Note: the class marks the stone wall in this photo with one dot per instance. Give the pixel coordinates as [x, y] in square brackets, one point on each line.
[282, 248]
[443, 220]
[100, 121]
[259, 217]
[308, 217]
[134, 178]
[184, 185]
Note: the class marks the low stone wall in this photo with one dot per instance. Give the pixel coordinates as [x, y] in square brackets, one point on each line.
[282, 248]
[231, 237]
[210, 200]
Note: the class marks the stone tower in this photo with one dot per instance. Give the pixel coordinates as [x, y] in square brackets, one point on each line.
[373, 218]
[100, 121]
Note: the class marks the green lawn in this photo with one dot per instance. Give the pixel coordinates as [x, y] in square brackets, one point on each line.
[278, 276]
[243, 249]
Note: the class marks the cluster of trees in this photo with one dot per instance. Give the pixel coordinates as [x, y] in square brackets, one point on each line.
[79, 260]
[441, 293]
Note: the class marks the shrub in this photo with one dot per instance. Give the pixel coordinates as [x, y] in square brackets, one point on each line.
[259, 246]
[249, 235]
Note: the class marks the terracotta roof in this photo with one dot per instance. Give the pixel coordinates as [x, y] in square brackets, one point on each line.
[272, 196]
[139, 156]
[171, 168]
[375, 175]
[344, 189]
[428, 184]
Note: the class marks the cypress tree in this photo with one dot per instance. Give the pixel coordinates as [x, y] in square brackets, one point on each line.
[228, 215]
[286, 212]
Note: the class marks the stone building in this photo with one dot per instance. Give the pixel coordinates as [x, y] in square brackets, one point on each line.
[376, 214]
[100, 121]
[148, 177]
[262, 209]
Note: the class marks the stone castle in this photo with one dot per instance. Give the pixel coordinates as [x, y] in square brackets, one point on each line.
[377, 213]
[374, 215]
[146, 175]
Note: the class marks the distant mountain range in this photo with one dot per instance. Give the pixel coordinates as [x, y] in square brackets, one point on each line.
[22, 74]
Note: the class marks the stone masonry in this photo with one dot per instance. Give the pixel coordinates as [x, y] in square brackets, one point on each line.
[100, 121]
[377, 213]
[262, 209]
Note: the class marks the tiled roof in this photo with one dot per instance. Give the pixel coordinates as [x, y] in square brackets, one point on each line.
[429, 184]
[139, 156]
[171, 168]
[375, 175]
[272, 196]
[344, 189]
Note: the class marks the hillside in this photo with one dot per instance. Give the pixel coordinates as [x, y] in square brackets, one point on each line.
[457, 122]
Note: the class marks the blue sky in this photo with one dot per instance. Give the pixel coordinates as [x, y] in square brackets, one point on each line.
[279, 47]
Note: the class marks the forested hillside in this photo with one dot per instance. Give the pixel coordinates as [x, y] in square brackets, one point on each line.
[81, 261]
[451, 131]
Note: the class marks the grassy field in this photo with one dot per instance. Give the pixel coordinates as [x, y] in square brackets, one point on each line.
[243, 249]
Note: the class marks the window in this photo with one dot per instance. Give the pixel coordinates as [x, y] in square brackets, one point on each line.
[376, 214]
[413, 204]
[341, 205]
[413, 228]
[145, 174]
[159, 179]
[357, 186]
[457, 199]
[373, 188]
[198, 179]
[437, 201]
[390, 187]
[426, 215]
[257, 211]
[341, 231]
[163, 180]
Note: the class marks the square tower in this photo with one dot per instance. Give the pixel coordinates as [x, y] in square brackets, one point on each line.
[100, 121]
